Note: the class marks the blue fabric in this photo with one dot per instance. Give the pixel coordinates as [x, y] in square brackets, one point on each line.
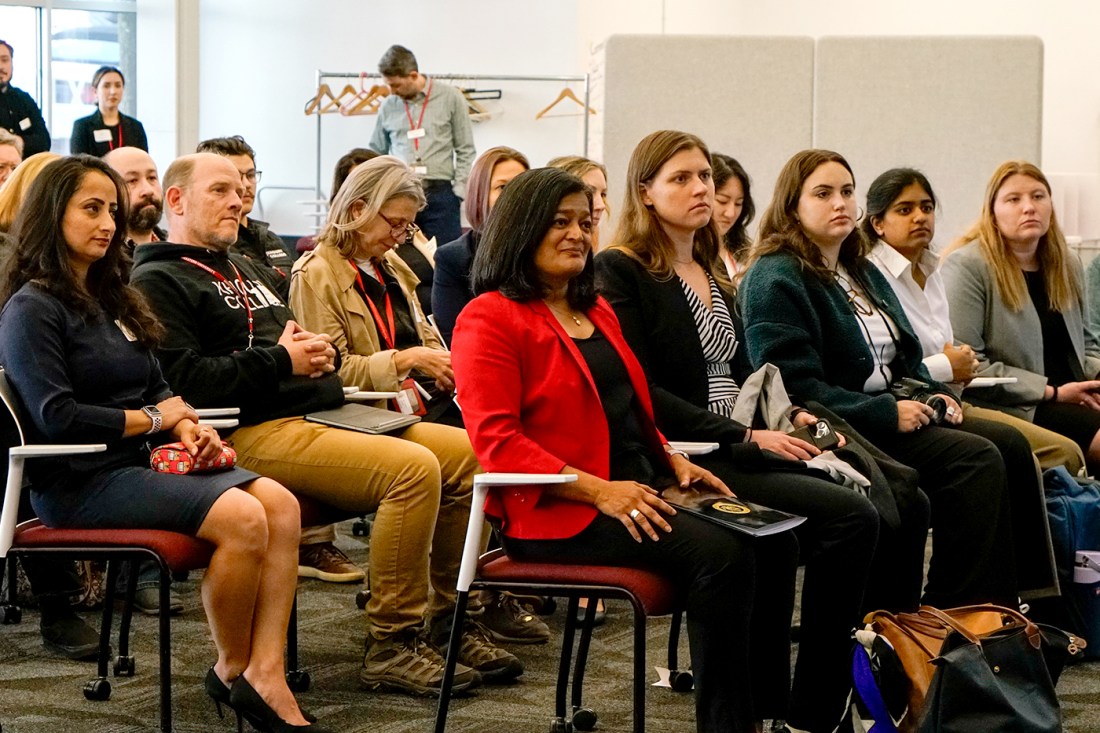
[868, 691]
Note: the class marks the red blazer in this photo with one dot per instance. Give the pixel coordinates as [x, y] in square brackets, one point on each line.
[530, 406]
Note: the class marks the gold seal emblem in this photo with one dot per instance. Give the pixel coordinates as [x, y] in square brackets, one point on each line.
[730, 507]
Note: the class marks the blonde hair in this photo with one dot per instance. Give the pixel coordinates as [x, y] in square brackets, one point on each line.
[373, 183]
[580, 166]
[1062, 287]
[19, 182]
[639, 232]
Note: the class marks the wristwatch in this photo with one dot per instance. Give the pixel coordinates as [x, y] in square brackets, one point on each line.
[676, 452]
[155, 416]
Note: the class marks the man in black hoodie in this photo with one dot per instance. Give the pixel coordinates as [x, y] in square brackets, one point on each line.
[232, 341]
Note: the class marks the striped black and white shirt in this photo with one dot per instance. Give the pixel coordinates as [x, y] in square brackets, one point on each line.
[719, 341]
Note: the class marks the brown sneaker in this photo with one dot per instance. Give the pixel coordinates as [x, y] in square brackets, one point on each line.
[507, 620]
[477, 651]
[325, 562]
[405, 662]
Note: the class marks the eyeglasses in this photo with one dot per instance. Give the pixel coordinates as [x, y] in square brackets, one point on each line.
[859, 302]
[252, 176]
[404, 230]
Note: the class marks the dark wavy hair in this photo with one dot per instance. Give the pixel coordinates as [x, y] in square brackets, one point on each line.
[885, 190]
[519, 221]
[780, 230]
[42, 253]
[725, 167]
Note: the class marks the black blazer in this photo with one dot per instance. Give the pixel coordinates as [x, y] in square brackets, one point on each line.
[657, 322]
[451, 282]
[83, 137]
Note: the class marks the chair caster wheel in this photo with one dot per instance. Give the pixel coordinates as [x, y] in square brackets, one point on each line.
[584, 719]
[11, 615]
[362, 598]
[97, 689]
[361, 528]
[681, 681]
[298, 680]
[560, 726]
[124, 666]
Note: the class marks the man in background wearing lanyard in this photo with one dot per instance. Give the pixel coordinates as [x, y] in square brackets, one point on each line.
[428, 126]
[18, 112]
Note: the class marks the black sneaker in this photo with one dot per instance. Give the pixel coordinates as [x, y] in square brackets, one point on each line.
[66, 634]
[508, 621]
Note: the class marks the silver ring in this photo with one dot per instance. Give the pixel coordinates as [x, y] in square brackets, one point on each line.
[634, 513]
[950, 411]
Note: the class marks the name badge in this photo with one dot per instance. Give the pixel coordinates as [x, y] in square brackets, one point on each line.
[102, 136]
[25, 123]
[416, 134]
[420, 170]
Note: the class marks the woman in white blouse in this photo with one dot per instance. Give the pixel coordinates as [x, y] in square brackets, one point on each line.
[901, 221]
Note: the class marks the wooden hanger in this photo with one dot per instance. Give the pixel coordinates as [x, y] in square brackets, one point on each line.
[566, 93]
[477, 112]
[345, 94]
[323, 93]
[366, 101]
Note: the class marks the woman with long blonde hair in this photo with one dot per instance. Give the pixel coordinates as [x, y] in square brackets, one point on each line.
[19, 182]
[1017, 296]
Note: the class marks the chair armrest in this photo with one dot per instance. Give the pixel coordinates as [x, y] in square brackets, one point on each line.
[351, 389]
[33, 451]
[220, 424]
[693, 449]
[217, 411]
[368, 396]
[471, 551]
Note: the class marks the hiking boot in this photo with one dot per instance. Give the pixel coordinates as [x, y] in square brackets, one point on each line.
[325, 562]
[477, 651]
[405, 662]
[507, 620]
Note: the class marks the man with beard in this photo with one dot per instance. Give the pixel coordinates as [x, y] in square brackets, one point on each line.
[146, 197]
[19, 114]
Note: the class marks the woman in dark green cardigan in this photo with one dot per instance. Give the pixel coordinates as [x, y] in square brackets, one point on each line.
[816, 308]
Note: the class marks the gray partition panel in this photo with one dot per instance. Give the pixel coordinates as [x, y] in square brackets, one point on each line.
[954, 107]
[749, 97]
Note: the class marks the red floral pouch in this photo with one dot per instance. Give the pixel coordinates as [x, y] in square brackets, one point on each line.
[175, 458]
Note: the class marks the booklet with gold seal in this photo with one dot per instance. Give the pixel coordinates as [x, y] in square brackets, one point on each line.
[743, 516]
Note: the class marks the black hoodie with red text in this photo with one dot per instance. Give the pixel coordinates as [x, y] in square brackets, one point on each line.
[204, 299]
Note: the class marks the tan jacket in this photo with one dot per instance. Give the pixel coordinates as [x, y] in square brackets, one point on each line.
[324, 299]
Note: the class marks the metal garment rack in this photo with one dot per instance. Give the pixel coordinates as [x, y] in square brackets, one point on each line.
[322, 75]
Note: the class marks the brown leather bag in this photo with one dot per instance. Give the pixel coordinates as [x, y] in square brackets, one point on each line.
[917, 639]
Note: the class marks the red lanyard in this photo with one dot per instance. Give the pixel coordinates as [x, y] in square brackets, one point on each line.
[416, 141]
[242, 296]
[389, 335]
[111, 142]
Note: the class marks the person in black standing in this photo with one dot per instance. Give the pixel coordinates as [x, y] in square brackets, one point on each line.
[107, 128]
[19, 114]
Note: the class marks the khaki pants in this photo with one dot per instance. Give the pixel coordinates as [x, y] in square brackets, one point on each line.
[1050, 448]
[418, 483]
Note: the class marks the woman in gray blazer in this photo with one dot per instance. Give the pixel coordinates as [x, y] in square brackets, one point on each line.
[1017, 296]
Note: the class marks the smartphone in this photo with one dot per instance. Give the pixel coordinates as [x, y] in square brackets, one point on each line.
[820, 434]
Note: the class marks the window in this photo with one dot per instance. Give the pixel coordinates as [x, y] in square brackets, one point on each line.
[78, 42]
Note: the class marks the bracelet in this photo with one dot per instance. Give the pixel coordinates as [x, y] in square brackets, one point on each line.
[748, 435]
[1054, 397]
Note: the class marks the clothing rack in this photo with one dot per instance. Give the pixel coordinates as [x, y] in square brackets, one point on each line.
[322, 75]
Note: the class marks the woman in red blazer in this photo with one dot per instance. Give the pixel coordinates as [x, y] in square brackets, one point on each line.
[543, 373]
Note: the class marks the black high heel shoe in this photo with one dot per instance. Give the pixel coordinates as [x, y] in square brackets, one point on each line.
[247, 702]
[217, 691]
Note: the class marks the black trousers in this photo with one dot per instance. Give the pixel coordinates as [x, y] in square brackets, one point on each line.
[964, 478]
[836, 543]
[442, 218]
[1028, 518]
[740, 595]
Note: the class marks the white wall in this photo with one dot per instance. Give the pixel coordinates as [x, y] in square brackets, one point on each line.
[259, 60]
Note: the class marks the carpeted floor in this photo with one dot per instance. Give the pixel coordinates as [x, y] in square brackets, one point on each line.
[40, 693]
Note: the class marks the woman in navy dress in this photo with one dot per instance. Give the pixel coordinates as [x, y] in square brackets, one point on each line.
[75, 342]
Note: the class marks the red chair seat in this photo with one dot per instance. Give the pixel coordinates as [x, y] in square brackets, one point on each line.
[655, 593]
[181, 552]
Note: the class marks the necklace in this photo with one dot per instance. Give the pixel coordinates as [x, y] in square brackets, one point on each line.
[567, 314]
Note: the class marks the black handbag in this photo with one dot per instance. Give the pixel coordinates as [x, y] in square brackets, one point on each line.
[998, 681]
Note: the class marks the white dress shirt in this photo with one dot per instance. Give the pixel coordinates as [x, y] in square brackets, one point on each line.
[926, 308]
